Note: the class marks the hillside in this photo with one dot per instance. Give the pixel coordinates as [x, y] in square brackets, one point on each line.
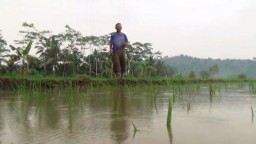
[228, 67]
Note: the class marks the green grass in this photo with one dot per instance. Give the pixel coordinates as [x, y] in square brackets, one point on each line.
[38, 81]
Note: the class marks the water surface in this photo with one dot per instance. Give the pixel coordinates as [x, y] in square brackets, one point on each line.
[104, 115]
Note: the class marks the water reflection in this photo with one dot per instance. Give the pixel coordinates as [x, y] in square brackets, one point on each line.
[169, 130]
[39, 112]
[119, 124]
[252, 113]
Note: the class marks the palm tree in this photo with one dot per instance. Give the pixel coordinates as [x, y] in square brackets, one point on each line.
[11, 62]
[49, 51]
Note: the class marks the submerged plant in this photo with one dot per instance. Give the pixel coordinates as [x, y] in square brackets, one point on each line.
[40, 96]
[21, 87]
[154, 99]
[155, 94]
[252, 113]
[188, 107]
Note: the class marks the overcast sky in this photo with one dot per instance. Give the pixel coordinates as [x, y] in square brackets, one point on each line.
[199, 28]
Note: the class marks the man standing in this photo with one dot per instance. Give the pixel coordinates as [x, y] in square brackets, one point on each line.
[118, 42]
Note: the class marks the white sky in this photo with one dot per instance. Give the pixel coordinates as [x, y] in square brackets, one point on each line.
[199, 28]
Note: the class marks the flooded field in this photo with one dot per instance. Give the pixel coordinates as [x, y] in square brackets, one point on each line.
[201, 114]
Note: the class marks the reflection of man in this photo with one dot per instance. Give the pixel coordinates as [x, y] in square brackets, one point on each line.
[119, 124]
[118, 42]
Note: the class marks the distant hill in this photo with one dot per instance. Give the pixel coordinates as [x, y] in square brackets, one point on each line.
[227, 68]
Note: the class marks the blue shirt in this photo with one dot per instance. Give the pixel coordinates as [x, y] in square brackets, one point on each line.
[118, 40]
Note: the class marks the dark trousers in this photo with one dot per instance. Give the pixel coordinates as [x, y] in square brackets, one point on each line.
[118, 59]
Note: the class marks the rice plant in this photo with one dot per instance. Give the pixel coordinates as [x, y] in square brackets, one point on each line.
[134, 130]
[134, 127]
[197, 87]
[252, 88]
[211, 90]
[177, 90]
[71, 95]
[174, 97]
[169, 114]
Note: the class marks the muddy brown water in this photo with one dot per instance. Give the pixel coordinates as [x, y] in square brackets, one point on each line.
[105, 115]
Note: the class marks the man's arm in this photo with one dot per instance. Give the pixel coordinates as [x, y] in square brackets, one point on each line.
[111, 45]
[126, 41]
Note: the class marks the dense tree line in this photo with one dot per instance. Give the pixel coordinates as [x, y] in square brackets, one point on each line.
[71, 53]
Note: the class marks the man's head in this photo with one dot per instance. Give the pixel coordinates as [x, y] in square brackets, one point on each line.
[118, 27]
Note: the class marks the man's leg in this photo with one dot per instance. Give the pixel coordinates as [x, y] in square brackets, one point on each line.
[122, 62]
[115, 60]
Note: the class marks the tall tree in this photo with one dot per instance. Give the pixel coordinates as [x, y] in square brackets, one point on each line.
[71, 43]
[49, 51]
[31, 33]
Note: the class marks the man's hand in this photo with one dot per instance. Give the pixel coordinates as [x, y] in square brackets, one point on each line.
[124, 45]
[111, 51]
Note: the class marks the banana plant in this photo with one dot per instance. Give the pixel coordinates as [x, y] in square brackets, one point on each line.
[22, 53]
